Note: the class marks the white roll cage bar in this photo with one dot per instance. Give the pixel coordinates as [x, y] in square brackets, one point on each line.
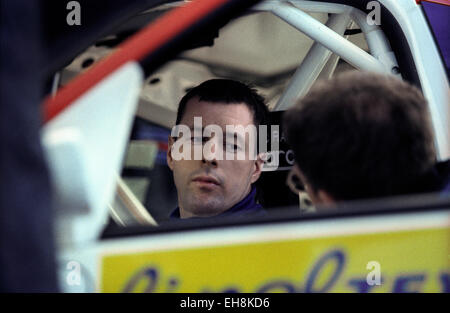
[329, 38]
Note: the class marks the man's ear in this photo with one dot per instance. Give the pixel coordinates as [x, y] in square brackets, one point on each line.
[317, 196]
[324, 198]
[170, 161]
[259, 162]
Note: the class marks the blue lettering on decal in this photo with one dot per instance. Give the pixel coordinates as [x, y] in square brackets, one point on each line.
[360, 285]
[231, 290]
[285, 286]
[408, 283]
[149, 274]
[445, 281]
[152, 275]
[172, 284]
[334, 255]
[149, 278]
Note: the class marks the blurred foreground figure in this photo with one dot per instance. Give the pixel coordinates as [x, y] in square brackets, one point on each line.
[361, 136]
[27, 262]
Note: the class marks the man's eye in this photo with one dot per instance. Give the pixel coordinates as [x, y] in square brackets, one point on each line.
[232, 147]
[199, 140]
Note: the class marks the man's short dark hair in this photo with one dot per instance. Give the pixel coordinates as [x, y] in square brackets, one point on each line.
[230, 92]
[362, 135]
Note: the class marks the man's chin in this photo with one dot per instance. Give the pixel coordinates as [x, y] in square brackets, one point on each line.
[206, 207]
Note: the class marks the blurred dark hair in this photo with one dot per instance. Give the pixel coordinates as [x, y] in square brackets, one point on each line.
[362, 135]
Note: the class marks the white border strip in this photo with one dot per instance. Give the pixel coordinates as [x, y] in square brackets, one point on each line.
[274, 232]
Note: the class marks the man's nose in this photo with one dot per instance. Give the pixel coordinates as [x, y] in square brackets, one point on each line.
[211, 153]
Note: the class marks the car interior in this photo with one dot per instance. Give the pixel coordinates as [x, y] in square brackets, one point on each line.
[260, 46]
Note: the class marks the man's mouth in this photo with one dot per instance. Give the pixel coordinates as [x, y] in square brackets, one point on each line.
[206, 181]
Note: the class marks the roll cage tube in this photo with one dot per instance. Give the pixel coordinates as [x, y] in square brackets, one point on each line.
[134, 48]
[313, 64]
[329, 37]
[427, 63]
[430, 68]
[405, 26]
[155, 40]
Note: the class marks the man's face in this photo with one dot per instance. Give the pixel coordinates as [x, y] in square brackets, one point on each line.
[213, 184]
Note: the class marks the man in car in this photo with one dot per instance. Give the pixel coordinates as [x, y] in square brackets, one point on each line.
[212, 150]
[363, 135]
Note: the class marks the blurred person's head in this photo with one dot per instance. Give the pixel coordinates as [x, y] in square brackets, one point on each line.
[219, 178]
[360, 135]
